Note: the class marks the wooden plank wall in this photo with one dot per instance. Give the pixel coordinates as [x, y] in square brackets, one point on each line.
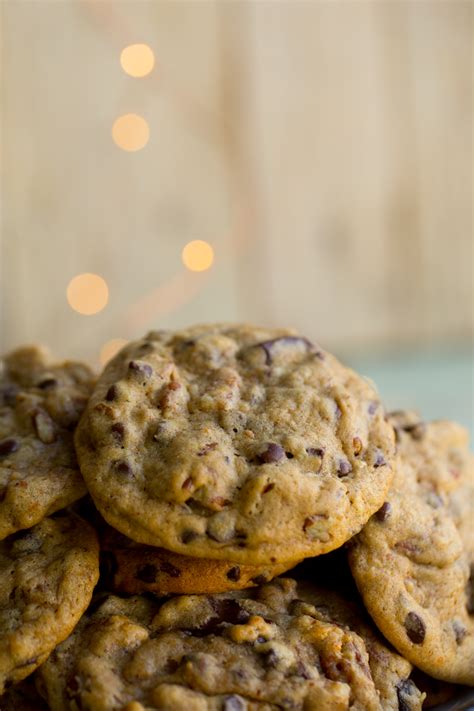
[323, 148]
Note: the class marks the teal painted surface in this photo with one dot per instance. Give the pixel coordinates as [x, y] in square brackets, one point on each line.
[438, 385]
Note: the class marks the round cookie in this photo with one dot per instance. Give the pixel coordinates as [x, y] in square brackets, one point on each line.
[234, 442]
[409, 562]
[47, 575]
[40, 405]
[136, 568]
[257, 650]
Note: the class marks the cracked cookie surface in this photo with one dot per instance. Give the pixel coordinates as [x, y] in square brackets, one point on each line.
[409, 561]
[234, 442]
[275, 647]
[47, 575]
[40, 406]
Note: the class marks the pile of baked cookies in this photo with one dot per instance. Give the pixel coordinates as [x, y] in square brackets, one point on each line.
[227, 519]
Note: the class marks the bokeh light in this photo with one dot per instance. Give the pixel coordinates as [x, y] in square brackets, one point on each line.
[130, 132]
[197, 255]
[87, 294]
[137, 60]
[110, 349]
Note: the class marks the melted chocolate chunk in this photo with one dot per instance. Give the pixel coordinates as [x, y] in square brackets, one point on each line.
[143, 369]
[111, 393]
[207, 448]
[170, 569]
[372, 407]
[233, 573]
[415, 628]
[272, 454]
[302, 671]
[406, 690]
[268, 346]
[8, 446]
[416, 431]
[147, 573]
[384, 511]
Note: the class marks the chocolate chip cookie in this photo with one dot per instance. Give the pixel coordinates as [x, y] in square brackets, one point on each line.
[40, 405]
[136, 568]
[273, 647]
[47, 575]
[235, 442]
[409, 561]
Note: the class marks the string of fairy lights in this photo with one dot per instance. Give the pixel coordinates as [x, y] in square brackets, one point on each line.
[88, 293]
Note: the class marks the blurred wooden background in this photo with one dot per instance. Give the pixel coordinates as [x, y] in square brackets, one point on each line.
[324, 150]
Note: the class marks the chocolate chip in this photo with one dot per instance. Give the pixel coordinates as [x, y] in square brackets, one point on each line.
[415, 628]
[118, 430]
[302, 671]
[143, 369]
[123, 467]
[272, 454]
[225, 611]
[233, 573]
[470, 592]
[379, 460]
[47, 383]
[416, 431]
[267, 346]
[259, 580]
[268, 488]
[357, 445]
[8, 446]
[207, 448]
[8, 393]
[147, 573]
[406, 694]
[271, 659]
[187, 484]
[384, 511]
[372, 407]
[111, 393]
[344, 467]
[170, 569]
[289, 455]
[315, 451]
[234, 703]
[459, 631]
[188, 536]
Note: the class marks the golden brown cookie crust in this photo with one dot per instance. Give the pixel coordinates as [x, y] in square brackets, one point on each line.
[47, 575]
[236, 443]
[40, 405]
[409, 562]
[135, 568]
[257, 650]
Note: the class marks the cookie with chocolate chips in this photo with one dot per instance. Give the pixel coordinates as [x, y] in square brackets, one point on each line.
[40, 406]
[47, 575]
[273, 647]
[409, 561]
[136, 568]
[235, 443]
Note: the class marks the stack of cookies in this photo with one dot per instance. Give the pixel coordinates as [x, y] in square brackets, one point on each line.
[227, 520]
